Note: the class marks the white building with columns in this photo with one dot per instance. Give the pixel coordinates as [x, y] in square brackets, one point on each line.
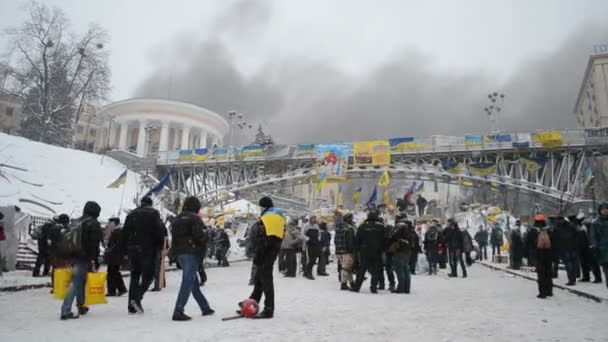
[146, 126]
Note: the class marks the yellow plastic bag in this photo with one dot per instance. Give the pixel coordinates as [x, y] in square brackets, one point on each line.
[61, 281]
[95, 289]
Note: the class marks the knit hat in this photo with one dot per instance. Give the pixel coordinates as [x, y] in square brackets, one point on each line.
[63, 219]
[266, 202]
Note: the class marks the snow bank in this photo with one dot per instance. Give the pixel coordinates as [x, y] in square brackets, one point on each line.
[59, 180]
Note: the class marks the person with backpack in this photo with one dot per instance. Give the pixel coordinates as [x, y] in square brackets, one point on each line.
[114, 258]
[81, 245]
[344, 242]
[544, 261]
[599, 238]
[143, 236]
[496, 240]
[401, 244]
[482, 241]
[43, 234]
[222, 246]
[431, 240]
[188, 245]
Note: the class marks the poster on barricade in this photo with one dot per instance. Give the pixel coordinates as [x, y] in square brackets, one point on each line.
[250, 151]
[498, 138]
[521, 140]
[185, 155]
[548, 139]
[220, 154]
[305, 150]
[408, 144]
[332, 160]
[372, 153]
[473, 140]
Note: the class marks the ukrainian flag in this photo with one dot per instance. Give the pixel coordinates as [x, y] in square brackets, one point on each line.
[119, 181]
[274, 222]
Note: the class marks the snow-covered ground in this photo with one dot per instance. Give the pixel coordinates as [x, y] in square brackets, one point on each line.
[487, 306]
[59, 180]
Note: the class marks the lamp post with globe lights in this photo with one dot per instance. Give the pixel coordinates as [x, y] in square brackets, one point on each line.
[496, 105]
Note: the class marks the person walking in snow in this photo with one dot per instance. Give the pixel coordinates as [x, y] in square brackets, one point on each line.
[421, 203]
[188, 245]
[544, 254]
[143, 236]
[496, 240]
[599, 238]
[313, 247]
[324, 241]
[402, 243]
[530, 247]
[431, 239]
[369, 242]
[83, 259]
[222, 246]
[516, 248]
[114, 258]
[565, 237]
[482, 241]
[455, 242]
[586, 257]
[467, 244]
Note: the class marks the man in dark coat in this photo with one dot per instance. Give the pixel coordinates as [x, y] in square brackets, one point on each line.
[188, 245]
[565, 236]
[496, 240]
[599, 238]
[544, 255]
[313, 248]
[431, 240]
[83, 260]
[267, 247]
[530, 247]
[401, 244]
[222, 246]
[421, 202]
[455, 242]
[143, 236]
[369, 242]
[516, 248]
[43, 257]
[324, 241]
[482, 241]
[586, 257]
[114, 258]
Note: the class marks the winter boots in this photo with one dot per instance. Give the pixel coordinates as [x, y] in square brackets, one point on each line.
[181, 317]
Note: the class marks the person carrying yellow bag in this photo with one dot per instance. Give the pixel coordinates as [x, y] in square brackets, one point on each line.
[80, 244]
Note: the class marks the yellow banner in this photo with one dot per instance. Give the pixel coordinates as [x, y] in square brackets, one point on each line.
[376, 153]
[549, 139]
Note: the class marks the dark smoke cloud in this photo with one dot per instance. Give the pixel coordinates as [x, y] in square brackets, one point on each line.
[303, 100]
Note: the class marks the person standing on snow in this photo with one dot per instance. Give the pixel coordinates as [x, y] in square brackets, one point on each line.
[467, 244]
[516, 248]
[267, 246]
[599, 238]
[586, 257]
[222, 245]
[114, 258]
[565, 237]
[369, 243]
[455, 243]
[324, 241]
[143, 236]
[544, 261]
[482, 241]
[83, 260]
[496, 240]
[402, 243]
[344, 242]
[313, 247]
[421, 202]
[289, 246]
[431, 238]
[188, 245]
[530, 247]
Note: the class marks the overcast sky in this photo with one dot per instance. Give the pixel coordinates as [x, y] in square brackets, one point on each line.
[349, 69]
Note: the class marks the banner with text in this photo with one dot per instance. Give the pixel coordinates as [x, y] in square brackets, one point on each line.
[407, 144]
[548, 139]
[332, 160]
[307, 150]
[372, 152]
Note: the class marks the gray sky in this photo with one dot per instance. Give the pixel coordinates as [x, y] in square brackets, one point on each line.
[349, 69]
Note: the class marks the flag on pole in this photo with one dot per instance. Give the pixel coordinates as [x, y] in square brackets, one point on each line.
[384, 180]
[122, 179]
[373, 197]
[408, 194]
[356, 196]
[161, 185]
[322, 181]
[588, 176]
[420, 188]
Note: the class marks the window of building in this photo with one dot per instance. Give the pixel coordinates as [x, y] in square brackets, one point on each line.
[10, 111]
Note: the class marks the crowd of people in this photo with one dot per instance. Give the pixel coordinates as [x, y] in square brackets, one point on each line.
[387, 251]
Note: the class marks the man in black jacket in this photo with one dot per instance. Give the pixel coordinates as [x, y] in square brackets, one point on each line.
[313, 248]
[516, 248]
[344, 241]
[324, 242]
[369, 242]
[83, 260]
[142, 238]
[47, 232]
[114, 258]
[402, 243]
[188, 245]
[267, 247]
[482, 241]
[530, 248]
[565, 238]
[586, 256]
[421, 203]
[455, 244]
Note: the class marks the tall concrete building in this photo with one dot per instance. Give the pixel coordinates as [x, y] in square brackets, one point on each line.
[591, 108]
[10, 106]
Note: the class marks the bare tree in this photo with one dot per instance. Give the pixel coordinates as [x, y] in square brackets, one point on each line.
[55, 72]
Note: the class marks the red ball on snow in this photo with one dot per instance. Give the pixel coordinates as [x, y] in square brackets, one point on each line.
[249, 308]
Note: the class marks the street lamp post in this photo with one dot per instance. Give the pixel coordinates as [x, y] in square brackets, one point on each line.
[149, 132]
[494, 108]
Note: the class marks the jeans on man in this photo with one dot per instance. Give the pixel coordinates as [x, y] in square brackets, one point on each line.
[401, 264]
[495, 250]
[570, 260]
[431, 255]
[76, 290]
[455, 257]
[157, 261]
[190, 285]
[142, 275]
[483, 252]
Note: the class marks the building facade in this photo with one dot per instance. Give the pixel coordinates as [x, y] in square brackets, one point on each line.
[591, 107]
[146, 126]
[10, 106]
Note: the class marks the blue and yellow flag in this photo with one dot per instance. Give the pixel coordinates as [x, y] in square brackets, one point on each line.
[588, 176]
[356, 196]
[482, 169]
[384, 180]
[274, 222]
[122, 179]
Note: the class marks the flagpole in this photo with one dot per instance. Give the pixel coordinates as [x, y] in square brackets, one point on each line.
[122, 197]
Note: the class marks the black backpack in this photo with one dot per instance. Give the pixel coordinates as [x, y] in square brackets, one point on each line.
[70, 240]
